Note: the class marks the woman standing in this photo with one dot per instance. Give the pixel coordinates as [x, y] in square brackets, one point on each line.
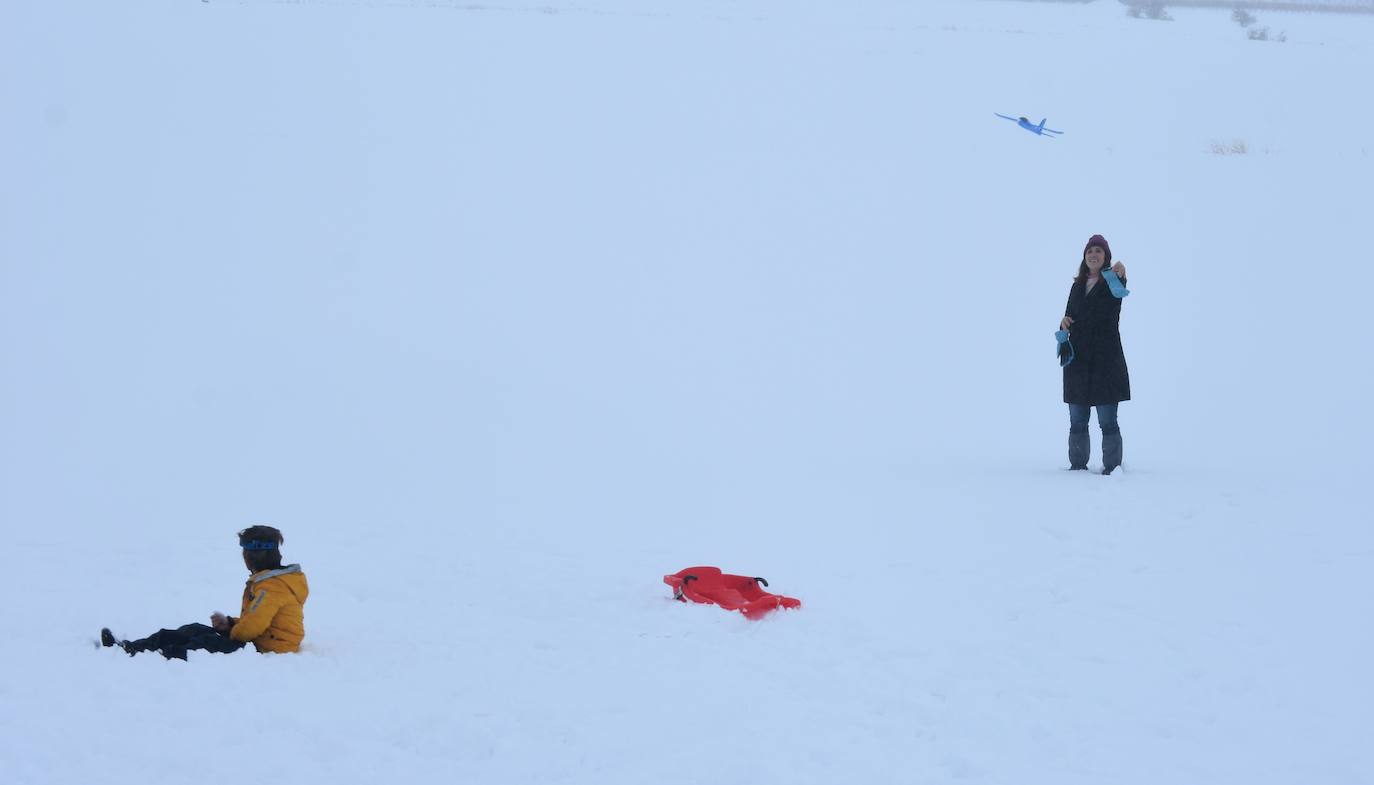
[1097, 375]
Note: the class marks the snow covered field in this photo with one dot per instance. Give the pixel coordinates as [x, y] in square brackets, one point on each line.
[502, 311]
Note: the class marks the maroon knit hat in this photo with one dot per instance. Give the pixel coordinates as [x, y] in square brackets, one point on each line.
[1101, 242]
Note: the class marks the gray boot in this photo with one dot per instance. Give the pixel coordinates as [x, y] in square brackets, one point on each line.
[1079, 446]
[1111, 451]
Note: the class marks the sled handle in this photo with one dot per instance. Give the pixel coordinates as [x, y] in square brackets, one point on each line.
[760, 580]
[677, 593]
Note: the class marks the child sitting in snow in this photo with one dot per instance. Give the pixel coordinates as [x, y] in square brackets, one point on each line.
[271, 617]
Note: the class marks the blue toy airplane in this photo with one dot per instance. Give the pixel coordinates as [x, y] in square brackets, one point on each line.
[1038, 130]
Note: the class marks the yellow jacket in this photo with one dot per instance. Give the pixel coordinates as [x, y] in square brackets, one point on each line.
[272, 616]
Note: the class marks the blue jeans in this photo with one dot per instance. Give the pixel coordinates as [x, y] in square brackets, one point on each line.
[1106, 418]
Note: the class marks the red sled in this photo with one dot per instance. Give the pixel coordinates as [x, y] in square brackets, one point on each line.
[731, 592]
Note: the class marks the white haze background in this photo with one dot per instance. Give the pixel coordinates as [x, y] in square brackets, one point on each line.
[503, 311]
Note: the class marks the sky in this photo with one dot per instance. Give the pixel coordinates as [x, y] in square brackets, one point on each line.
[503, 311]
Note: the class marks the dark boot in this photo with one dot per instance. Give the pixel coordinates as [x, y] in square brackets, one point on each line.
[1111, 451]
[108, 639]
[1079, 446]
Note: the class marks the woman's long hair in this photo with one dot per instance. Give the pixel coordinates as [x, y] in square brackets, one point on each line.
[1082, 275]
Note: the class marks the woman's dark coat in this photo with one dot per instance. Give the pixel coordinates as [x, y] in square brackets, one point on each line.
[1098, 372]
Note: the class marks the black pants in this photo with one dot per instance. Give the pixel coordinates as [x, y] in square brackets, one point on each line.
[173, 644]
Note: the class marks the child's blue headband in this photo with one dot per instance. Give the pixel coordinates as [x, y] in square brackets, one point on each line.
[258, 545]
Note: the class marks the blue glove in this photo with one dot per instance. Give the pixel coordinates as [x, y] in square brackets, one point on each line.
[1065, 348]
[1119, 289]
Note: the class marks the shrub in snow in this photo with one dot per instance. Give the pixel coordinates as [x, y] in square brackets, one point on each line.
[1262, 34]
[1242, 17]
[1236, 147]
[1148, 9]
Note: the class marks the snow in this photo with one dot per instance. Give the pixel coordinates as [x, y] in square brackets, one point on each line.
[502, 311]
